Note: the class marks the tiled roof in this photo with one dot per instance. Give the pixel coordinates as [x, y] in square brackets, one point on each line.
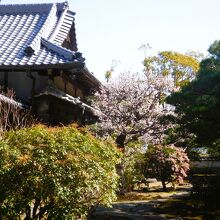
[32, 34]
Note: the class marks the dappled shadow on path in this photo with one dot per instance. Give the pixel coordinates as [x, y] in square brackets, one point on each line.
[157, 205]
[189, 208]
[138, 206]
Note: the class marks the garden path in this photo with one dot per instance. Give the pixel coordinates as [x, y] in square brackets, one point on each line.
[140, 206]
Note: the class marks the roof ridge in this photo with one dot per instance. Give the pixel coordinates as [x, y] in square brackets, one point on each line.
[69, 54]
[63, 27]
[31, 8]
[21, 4]
[43, 32]
[22, 8]
[58, 25]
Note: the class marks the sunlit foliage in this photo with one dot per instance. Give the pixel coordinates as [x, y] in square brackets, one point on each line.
[167, 164]
[55, 173]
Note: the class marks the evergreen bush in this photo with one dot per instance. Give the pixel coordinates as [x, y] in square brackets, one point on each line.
[55, 173]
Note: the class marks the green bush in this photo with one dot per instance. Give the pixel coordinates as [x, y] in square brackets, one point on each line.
[168, 164]
[132, 172]
[58, 173]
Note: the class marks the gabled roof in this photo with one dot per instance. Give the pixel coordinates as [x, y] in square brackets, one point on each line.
[33, 34]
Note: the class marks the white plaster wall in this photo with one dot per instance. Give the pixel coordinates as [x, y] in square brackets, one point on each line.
[203, 164]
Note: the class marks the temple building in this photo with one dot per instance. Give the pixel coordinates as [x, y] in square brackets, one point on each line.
[40, 61]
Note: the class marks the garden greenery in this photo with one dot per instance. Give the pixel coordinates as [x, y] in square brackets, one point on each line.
[167, 164]
[55, 173]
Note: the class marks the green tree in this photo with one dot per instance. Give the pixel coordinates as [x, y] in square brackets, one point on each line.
[181, 68]
[108, 73]
[197, 104]
[55, 173]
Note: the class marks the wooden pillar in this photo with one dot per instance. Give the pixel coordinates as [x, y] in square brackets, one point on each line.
[5, 82]
[33, 82]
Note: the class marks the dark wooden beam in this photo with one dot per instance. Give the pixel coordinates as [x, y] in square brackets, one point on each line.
[5, 81]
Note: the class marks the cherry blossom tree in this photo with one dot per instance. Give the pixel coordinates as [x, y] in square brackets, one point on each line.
[131, 107]
[131, 110]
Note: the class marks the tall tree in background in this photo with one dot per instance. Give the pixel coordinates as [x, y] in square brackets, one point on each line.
[179, 68]
[197, 104]
[108, 73]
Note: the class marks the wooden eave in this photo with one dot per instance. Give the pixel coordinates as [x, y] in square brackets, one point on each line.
[64, 66]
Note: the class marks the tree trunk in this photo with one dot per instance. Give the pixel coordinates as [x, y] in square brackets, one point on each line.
[164, 185]
[120, 140]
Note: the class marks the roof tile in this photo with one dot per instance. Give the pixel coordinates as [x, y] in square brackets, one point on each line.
[32, 34]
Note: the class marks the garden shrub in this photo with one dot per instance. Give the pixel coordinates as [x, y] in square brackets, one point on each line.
[132, 174]
[166, 163]
[55, 173]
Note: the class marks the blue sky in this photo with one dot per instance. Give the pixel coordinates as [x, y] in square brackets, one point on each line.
[114, 29]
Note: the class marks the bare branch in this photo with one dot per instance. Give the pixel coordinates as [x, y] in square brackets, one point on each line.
[12, 114]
